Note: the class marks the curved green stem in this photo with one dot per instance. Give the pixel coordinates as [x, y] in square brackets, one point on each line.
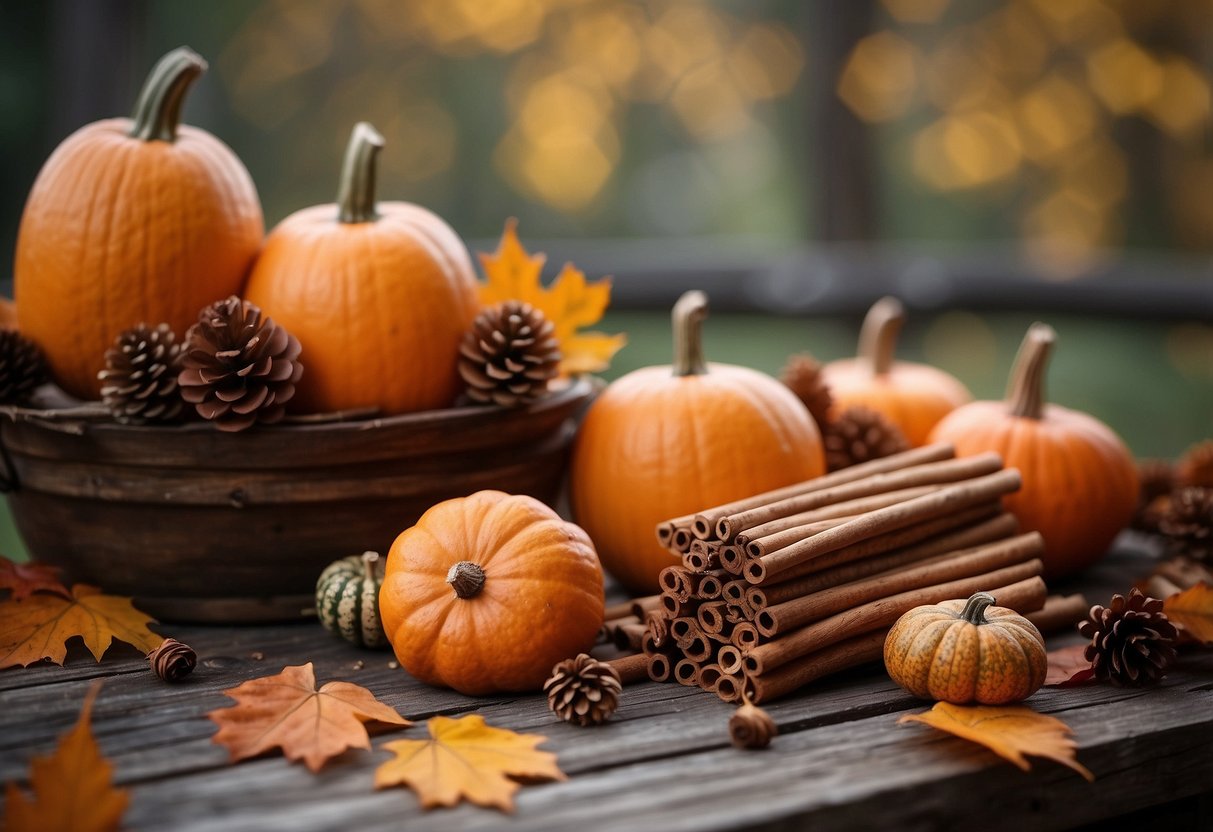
[975, 608]
[878, 337]
[687, 318]
[158, 110]
[356, 190]
[1026, 389]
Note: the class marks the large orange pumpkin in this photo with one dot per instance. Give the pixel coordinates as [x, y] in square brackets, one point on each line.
[130, 221]
[1079, 480]
[486, 593]
[667, 441]
[912, 396]
[378, 294]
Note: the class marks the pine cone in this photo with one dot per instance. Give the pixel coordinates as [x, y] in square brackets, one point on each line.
[139, 382]
[22, 367]
[172, 661]
[1157, 478]
[1132, 642]
[509, 355]
[858, 435]
[751, 727]
[1195, 467]
[1187, 522]
[239, 367]
[583, 690]
[802, 375]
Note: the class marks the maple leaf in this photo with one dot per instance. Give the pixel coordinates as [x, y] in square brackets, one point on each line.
[26, 578]
[1192, 610]
[466, 758]
[569, 303]
[72, 788]
[1069, 667]
[1009, 731]
[286, 711]
[39, 627]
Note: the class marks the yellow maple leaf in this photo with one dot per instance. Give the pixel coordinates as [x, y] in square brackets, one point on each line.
[465, 758]
[72, 788]
[39, 626]
[570, 303]
[1192, 610]
[1010, 731]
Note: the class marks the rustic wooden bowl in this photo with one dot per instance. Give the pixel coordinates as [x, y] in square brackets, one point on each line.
[205, 526]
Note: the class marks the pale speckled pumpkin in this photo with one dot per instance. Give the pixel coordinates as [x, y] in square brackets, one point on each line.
[347, 599]
[966, 651]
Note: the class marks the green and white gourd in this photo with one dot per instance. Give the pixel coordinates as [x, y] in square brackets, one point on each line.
[347, 599]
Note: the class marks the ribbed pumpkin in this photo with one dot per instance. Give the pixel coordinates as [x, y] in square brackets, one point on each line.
[347, 599]
[486, 593]
[966, 651]
[662, 442]
[378, 294]
[1079, 480]
[912, 396]
[130, 221]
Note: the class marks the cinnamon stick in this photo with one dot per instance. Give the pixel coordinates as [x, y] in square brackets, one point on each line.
[948, 500]
[708, 675]
[702, 556]
[686, 672]
[728, 688]
[680, 629]
[607, 633]
[680, 541]
[789, 615]
[943, 545]
[656, 636]
[832, 515]
[698, 647]
[628, 636]
[732, 559]
[705, 522]
[711, 617]
[934, 473]
[621, 610]
[733, 592]
[745, 636]
[884, 611]
[674, 608]
[659, 667]
[642, 606]
[631, 669]
[854, 651]
[665, 531]
[710, 587]
[729, 658]
[1060, 612]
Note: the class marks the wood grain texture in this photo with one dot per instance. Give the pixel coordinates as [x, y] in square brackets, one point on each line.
[840, 761]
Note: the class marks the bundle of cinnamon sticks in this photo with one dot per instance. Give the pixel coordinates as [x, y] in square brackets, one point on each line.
[782, 588]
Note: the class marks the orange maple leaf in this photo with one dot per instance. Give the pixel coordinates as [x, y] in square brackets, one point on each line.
[286, 711]
[1069, 667]
[465, 758]
[1192, 610]
[26, 578]
[72, 788]
[1010, 731]
[570, 303]
[39, 627]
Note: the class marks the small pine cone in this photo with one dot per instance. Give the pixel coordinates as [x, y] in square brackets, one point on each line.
[139, 382]
[583, 690]
[239, 367]
[860, 434]
[1132, 641]
[802, 375]
[172, 660]
[751, 727]
[509, 355]
[22, 367]
[1187, 522]
[1195, 467]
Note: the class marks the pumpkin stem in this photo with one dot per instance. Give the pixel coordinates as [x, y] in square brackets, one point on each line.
[878, 336]
[688, 315]
[158, 110]
[369, 561]
[975, 608]
[466, 578]
[356, 190]
[1026, 390]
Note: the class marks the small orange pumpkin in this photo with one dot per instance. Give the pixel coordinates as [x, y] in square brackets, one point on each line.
[1080, 485]
[666, 441]
[129, 221]
[966, 651]
[378, 294]
[912, 396]
[486, 593]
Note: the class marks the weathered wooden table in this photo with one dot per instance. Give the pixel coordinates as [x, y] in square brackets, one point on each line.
[663, 762]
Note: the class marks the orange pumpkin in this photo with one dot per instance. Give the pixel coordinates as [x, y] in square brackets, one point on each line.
[912, 396]
[666, 441]
[1080, 484]
[486, 593]
[130, 221]
[378, 294]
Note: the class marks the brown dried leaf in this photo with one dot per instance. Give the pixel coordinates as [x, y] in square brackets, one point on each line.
[1192, 610]
[22, 579]
[72, 788]
[465, 758]
[1010, 731]
[286, 711]
[1069, 667]
[39, 627]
